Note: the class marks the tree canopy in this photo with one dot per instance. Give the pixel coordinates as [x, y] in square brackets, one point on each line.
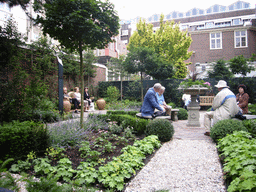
[220, 70]
[168, 42]
[78, 25]
[141, 60]
[239, 65]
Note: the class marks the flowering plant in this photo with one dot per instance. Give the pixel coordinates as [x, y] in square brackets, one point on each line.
[192, 81]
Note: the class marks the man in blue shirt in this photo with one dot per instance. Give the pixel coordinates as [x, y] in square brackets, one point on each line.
[150, 102]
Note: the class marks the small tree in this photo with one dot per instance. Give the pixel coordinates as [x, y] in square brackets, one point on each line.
[118, 67]
[220, 71]
[141, 60]
[79, 25]
[239, 65]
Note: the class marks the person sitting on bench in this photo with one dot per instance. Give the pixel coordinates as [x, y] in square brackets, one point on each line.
[223, 107]
[161, 101]
[150, 102]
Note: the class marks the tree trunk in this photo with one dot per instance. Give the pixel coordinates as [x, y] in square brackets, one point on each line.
[121, 86]
[141, 86]
[82, 84]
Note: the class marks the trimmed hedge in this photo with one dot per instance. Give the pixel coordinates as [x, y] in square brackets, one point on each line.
[138, 125]
[182, 114]
[224, 127]
[17, 139]
[162, 128]
[120, 112]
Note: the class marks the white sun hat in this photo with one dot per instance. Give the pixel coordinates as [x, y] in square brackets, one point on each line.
[222, 84]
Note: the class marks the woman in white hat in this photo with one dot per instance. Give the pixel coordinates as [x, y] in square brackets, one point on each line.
[223, 107]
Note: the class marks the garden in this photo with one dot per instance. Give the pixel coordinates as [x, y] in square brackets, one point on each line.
[104, 154]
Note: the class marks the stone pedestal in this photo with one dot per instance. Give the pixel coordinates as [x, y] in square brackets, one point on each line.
[193, 107]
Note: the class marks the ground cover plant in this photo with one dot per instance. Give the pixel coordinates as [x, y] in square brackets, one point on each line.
[238, 152]
[102, 155]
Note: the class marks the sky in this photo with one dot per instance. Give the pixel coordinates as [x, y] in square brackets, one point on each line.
[130, 9]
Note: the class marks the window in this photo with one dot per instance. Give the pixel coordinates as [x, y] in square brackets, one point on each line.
[237, 22]
[240, 39]
[216, 40]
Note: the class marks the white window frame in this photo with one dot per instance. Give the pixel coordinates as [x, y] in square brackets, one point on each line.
[215, 39]
[240, 38]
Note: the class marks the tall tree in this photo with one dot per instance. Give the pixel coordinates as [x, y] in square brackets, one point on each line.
[117, 66]
[239, 65]
[168, 41]
[141, 60]
[220, 71]
[79, 25]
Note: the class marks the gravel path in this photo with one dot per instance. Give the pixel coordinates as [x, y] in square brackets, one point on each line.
[187, 163]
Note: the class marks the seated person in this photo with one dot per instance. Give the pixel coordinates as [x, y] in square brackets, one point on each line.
[223, 107]
[150, 102]
[161, 101]
[87, 99]
[76, 99]
[65, 95]
[242, 98]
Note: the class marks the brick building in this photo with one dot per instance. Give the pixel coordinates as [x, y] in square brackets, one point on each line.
[219, 32]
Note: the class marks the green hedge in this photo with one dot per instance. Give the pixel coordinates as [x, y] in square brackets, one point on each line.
[131, 89]
[138, 125]
[17, 139]
[119, 112]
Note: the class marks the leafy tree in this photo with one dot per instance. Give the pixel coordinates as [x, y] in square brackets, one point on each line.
[168, 41]
[220, 71]
[239, 65]
[253, 57]
[117, 66]
[141, 60]
[11, 3]
[79, 25]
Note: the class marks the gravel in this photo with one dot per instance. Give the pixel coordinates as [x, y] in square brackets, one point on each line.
[181, 165]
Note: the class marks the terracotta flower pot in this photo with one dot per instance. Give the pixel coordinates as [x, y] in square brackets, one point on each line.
[101, 103]
[66, 106]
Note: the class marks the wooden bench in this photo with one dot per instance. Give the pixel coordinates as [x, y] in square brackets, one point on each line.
[173, 117]
[206, 100]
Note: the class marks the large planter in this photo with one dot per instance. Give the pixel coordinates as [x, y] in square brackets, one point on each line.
[194, 107]
[66, 106]
[101, 103]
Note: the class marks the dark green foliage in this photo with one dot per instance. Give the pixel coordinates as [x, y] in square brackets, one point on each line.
[132, 113]
[19, 139]
[182, 114]
[162, 128]
[252, 109]
[224, 127]
[138, 125]
[239, 65]
[250, 126]
[220, 71]
[4, 164]
[46, 185]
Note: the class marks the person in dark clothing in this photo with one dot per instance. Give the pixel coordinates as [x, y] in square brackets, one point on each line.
[87, 98]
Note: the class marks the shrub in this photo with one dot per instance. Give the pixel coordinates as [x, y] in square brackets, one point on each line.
[224, 127]
[114, 128]
[182, 114]
[67, 133]
[20, 138]
[161, 128]
[252, 108]
[112, 93]
[172, 104]
[138, 125]
[250, 126]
